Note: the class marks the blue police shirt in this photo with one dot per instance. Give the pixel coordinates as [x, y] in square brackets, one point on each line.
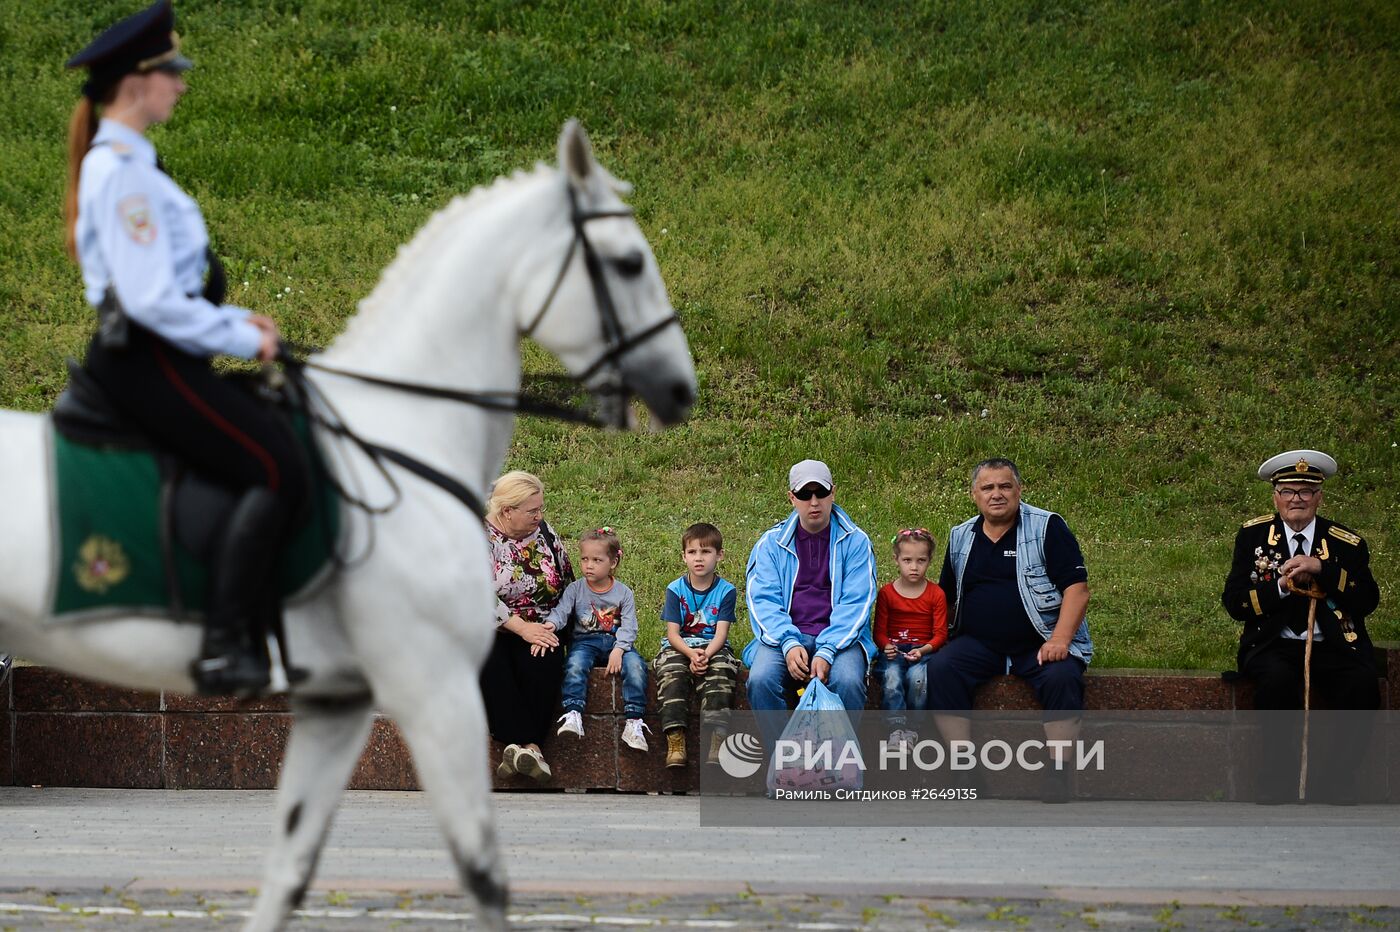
[140, 234]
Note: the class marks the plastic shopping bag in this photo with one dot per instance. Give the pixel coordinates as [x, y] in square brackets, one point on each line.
[818, 749]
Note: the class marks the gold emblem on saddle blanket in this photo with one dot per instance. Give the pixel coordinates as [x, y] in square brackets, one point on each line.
[101, 564]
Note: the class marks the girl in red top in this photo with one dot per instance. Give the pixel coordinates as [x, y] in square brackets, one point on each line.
[911, 622]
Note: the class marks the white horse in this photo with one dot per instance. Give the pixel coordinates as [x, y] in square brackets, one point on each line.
[553, 253]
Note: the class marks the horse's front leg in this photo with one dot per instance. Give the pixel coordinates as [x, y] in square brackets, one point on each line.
[326, 740]
[444, 723]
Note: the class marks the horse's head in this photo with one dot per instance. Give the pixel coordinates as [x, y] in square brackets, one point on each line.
[604, 310]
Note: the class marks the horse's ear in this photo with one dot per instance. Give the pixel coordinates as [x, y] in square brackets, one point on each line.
[576, 155]
[620, 187]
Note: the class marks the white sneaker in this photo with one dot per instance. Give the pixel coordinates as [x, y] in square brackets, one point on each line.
[530, 763]
[572, 724]
[632, 734]
[903, 737]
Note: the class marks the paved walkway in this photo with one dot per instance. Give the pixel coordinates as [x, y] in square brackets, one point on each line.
[584, 859]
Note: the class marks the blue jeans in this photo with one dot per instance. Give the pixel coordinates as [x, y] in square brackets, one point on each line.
[903, 684]
[772, 688]
[591, 650]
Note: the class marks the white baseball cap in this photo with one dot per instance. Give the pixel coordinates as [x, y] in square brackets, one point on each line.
[809, 471]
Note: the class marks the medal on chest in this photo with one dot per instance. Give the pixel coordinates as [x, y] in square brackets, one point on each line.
[1266, 564]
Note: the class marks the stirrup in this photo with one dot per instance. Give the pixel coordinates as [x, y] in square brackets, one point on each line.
[282, 673]
[232, 674]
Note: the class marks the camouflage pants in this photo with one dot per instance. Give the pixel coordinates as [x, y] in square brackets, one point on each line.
[675, 682]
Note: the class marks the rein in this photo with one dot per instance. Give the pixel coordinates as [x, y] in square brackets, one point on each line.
[617, 341]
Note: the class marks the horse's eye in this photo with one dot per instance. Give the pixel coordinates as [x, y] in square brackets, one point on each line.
[630, 265]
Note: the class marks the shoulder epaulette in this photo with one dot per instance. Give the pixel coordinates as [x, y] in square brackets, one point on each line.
[1259, 520]
[1342, 533]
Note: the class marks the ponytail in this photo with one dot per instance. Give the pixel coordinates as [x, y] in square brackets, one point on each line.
[81, 129]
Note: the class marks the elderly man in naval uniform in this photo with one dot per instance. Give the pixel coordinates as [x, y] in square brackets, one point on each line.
[1275, 555]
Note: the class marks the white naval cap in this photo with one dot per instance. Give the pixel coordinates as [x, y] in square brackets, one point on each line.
[1298, 466]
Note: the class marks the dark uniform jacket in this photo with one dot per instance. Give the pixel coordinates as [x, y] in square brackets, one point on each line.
[1251, 590]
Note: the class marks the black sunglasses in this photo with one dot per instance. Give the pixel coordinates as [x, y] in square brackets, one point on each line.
[811, 492]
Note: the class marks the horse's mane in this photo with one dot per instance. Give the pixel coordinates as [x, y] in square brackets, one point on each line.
[407, 263]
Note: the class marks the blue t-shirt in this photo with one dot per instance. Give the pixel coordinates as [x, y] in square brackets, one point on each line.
[697, 611]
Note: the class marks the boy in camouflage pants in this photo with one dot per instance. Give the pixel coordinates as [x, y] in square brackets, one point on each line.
[695, 655]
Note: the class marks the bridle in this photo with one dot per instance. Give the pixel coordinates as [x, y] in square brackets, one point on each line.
[617, 344]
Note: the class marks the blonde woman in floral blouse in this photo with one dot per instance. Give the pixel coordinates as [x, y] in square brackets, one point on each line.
[520, 681]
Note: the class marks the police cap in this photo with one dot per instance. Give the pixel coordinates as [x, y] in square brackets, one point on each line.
[142, 42]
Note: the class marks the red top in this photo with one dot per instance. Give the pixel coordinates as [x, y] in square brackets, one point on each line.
[911, 621]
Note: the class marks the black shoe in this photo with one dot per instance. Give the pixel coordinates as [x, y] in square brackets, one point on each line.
[1335, 792]
[238, 673]
[1055, 785]
[1276, 796]
[969, 781]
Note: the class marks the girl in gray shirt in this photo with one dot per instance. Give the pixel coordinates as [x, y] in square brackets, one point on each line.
[602, 615]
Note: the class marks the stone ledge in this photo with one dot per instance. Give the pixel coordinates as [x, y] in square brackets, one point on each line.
[60, 730]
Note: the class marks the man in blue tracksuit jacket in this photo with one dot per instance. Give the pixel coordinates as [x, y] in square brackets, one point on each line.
[811, 588]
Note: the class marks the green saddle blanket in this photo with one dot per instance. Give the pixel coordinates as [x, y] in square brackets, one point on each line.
[111, 551]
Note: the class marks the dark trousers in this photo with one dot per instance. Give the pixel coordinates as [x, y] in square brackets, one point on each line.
[965, 663]
[1342, 678]
[206, 421]
[521, 692]
[1344, 684]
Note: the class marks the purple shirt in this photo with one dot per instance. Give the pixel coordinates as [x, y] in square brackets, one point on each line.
[811, 591]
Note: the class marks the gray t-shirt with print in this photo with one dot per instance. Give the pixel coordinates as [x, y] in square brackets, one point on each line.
[613, 612]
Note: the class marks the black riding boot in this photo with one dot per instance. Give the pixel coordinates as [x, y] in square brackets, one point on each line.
[231, 663]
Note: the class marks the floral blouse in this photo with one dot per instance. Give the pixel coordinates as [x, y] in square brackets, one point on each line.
[530, 575]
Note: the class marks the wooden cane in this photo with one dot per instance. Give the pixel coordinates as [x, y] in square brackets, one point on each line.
[1313, 594]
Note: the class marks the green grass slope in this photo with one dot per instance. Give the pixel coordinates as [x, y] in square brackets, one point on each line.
[1136, 247]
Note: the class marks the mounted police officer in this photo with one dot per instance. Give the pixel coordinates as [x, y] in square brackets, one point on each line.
[1295, 544]
[143, 249]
